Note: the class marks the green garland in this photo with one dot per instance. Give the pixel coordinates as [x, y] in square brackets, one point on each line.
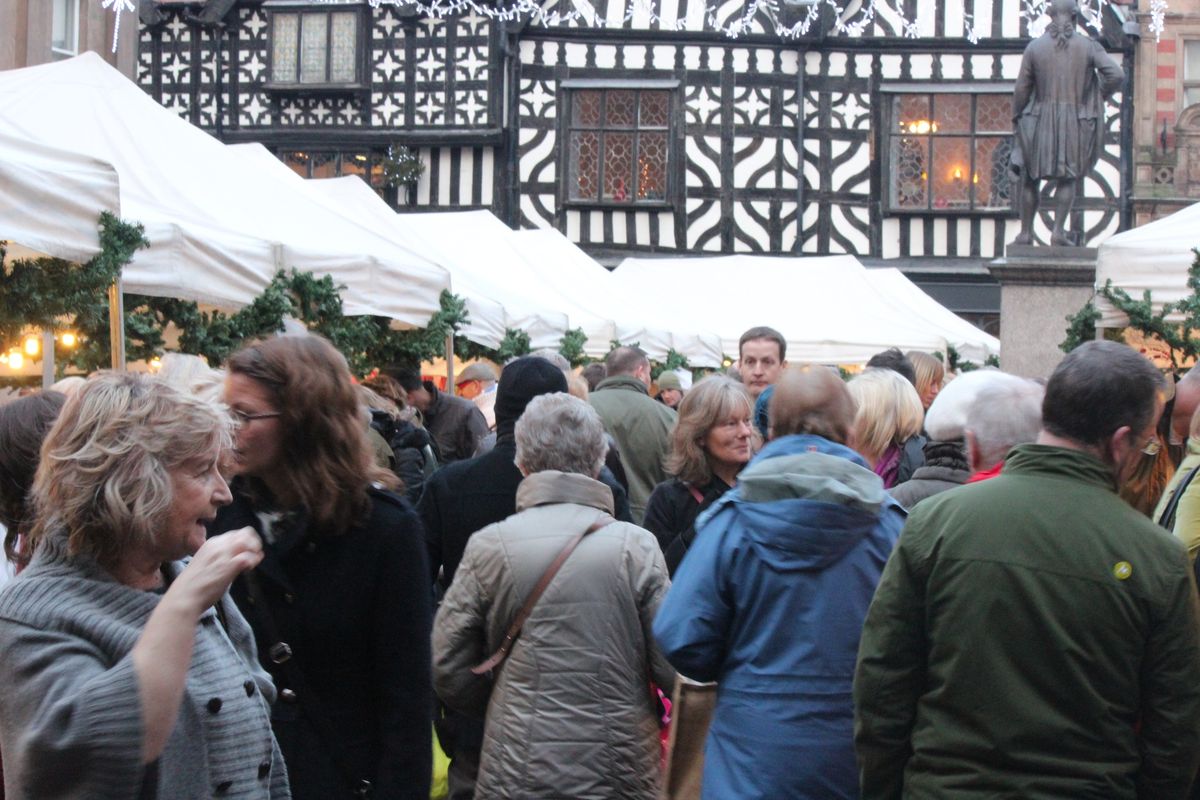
[1178, 337]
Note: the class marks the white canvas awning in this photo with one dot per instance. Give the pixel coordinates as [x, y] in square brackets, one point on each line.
[51, 199]
[218, 228]
[1154, 257]
[971, 343]
[826, 308]
[655, 327]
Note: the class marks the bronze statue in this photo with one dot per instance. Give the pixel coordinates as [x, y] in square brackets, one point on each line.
[1058, 116]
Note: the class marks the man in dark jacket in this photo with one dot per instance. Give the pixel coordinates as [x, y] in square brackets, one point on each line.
[1033, 636]
[641, 426]
[465, 497]
[455, 423]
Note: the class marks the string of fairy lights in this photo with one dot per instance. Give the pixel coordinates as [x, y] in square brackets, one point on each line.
[851, 18]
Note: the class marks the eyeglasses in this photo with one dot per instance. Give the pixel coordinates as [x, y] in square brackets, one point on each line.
[243, 417]
[1153, 445]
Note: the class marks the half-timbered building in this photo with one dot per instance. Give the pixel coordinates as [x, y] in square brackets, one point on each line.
[644, 127]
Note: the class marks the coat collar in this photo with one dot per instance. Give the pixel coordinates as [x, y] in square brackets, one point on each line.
[552, 486]
[1047, 461]
[626, 382]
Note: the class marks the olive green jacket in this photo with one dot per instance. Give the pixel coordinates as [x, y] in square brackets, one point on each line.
[642, 428]
[1032, 636]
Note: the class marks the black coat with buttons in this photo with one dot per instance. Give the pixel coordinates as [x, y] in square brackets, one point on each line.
[356, 611]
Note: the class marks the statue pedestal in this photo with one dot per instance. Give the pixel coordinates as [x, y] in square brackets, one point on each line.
[1039, 288]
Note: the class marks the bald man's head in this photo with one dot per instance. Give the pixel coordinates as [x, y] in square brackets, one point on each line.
[812, 400]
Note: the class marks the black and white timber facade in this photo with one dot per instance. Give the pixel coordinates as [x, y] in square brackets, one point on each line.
[633, 137]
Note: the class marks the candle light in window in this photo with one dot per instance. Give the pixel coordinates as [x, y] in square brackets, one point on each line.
[958, 174]
[975, 178]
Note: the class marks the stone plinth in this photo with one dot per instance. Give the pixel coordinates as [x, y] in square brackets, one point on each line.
[1039, 288]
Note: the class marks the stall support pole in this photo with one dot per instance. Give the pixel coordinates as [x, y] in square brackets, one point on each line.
[116, 325]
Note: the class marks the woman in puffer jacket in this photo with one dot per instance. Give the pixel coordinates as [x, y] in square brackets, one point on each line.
[570, 712]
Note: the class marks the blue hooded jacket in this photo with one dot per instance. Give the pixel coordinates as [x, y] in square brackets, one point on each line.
[770, 602]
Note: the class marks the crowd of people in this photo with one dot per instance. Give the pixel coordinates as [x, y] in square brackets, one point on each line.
[276, 580]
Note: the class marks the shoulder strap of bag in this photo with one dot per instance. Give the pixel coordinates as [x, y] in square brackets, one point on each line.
[280, 653]
[1167, 520]
[514, 628]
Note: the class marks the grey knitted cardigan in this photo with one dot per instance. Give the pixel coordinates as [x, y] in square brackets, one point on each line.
[70, 713]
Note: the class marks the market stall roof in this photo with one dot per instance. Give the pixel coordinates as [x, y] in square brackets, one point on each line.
[51, 199]
[971, 343]
[218, 229]
[1154, 257]
[486, 260]
[654, 326]
[487, 319]
[826, 308]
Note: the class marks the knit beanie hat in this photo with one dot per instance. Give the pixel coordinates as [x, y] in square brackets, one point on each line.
[669, 380]
[521, 381]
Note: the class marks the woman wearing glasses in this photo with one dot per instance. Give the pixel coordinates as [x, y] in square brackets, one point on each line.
[340, 605]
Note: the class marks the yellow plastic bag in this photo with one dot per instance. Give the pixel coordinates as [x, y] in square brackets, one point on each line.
[439, 789]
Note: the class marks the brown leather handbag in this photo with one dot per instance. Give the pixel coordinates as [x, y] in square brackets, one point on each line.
[691, 714]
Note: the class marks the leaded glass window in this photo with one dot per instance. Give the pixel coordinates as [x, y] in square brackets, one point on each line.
[618, 145]
[949, 151]
[315, 47]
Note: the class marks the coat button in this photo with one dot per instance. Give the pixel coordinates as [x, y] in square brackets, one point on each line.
[289, 598]
[264, 769]
[224, 786]
[249, 687]
[287, 696]
[213, 705]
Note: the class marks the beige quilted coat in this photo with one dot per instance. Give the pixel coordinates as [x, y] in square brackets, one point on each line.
[569, 713]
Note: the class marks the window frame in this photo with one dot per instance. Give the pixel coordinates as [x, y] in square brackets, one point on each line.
[671, 198]
[56, 52]
[299, 8]
[972, 89]
[1185, 82]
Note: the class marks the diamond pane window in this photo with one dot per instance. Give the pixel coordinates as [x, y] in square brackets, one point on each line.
[315, 47]
[285, 41]
[618, 146]
[949, 151]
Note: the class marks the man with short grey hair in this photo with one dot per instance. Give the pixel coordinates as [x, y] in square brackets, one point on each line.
[1004, 414]
[640, 425]
[1033, 635]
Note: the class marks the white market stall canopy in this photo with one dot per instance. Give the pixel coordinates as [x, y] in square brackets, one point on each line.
[827, 308]
[51, 199]
[218, 228]
[349, 194]
[655, 327]
[1153, 257]
[971, 343]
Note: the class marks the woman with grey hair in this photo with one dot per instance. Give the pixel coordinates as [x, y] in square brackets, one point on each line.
[127, 671]
[569, 712]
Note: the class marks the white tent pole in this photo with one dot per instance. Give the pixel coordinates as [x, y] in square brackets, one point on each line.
[450, 363]
[116, 325]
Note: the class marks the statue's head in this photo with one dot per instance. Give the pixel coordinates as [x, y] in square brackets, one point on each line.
[1063, 12]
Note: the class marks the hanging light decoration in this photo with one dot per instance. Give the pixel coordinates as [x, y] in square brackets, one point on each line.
[68, 339]
[32, 346]
[16, 359]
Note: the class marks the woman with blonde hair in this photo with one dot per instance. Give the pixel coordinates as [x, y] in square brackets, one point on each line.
[889, 414]
[341, 605]
[713, 439]
[930, 374]
[127, 671]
